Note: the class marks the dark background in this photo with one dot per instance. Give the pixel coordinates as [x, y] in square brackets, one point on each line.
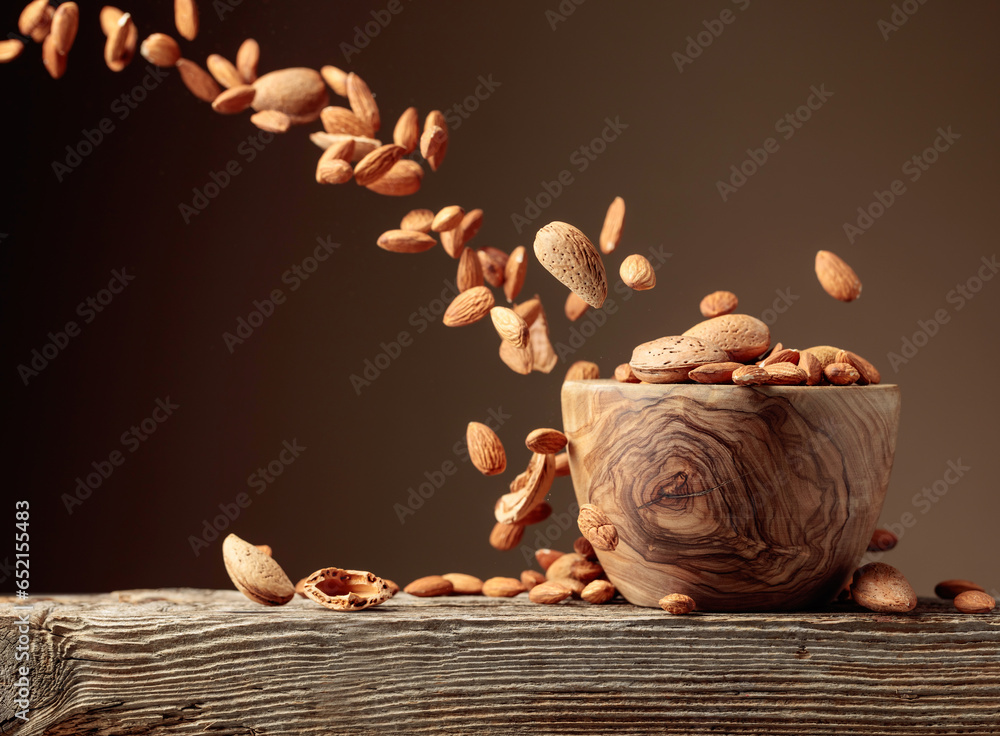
[335, 505]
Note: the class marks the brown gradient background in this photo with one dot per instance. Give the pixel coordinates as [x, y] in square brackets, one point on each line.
[335, 504]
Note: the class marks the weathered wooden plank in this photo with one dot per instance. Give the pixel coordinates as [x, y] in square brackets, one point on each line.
[185, 662]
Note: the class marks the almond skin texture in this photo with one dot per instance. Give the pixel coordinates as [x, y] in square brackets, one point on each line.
[299, 92]
[576, 567]
[529, 310]
[597, 528]
[714, 372]
[974, 601]
[434, 139]
[65, 23]
[447, 218]
[362, 146]
[531, 578]
[546, 557]
[198, 81]
[785, 374]
[223, 70]
[866, 371]
[519, 360]
[515, 269]
[342, 151]
[471, 223]
[186, 18]
[109, 17]
[750, 375]
[247, 58]
[575, 307]
[159, 49]
[781, 355]
[493, 262]
[470, 273]
[742, 337]
[836, 277]
[463, 584]
[34, 15]
[333, 171]
[614, 223]
[377, 164]
[718, 303]
[234, 100]
[677, 604]
[468, 307]
[508, 324]
[582, 370]
[824, 354]
[403, 179]
[567, 254]
[362, 101]
[841, 374]
[273, 122]
[346, 590]
[548, 593]
[545, 440]
[419, 220]
[405, 241]
[811, 365]
[429, 586]
[406, 133]
[948, 589]
[544, 357]
[506, 536]
[882, 541]
[338, 120]
[670, 359]
[502, 587]
[598, 591]
[881, 587]
[255, 574]
[485, 449]
[336, 78]
[637, 273]
[625, 374]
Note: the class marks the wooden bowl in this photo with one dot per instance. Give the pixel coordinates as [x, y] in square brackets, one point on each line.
[743, 498]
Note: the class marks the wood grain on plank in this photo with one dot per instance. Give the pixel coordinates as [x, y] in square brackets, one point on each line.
[188, 661]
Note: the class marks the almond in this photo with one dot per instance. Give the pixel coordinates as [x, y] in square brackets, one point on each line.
[120, 46]
[574, 586]
[529, 310]
[272, 121]
[403, 179]
[836, 277]
[718, 303]
[35, 15]
[544, 357]
[377, 164]
[519, 360]
[362, 101]
[300, 587]
[419, 220]
[811, 365]
[531, 578]
[502, 587]
[582, 546]
[538, 514]
[598, 591]
[235, 99]
[342, 151]
[677, 604]
[468, 307]
[948, 589]
[508, 324]
[567, 254]
[197, 80]
[841, 374]
[407, 130]
[575, 567]
[825, 354]
[333, 170]
[393, 587]
[625, 374]
[247, 59]
[52, 60]
[453, 242]
[485, 449]
[65, 23]
[548, 593]
[254, 574]
[781, 355]
[575, 307]
[562, 465]
[493, 261]
[462, 584]
[223, 70]
[742, 337]
[527, 490]
[186, 18]
[159, 49]
[336, 78]
[429, 586]
[346, 590]
[266, 549]
[10, 49]
[362, 146]
[881, 587]
[109, 17]
[470, 272]
[614, 223]
[546, 557]
[974, 601]
[597, 527]
[405, 241]
[582, 370]
[545, 440]
[750, 375]
[714, 372]
[866, 371]
[785, 374]
[506, 536]
[670, 359]
[341, 121]
[434, 139]
[637, 273]
[471, 223]
[514, 271]
[882, 541]
[447, 218]
[298, 92]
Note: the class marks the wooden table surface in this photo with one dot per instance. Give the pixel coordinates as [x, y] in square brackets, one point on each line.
[190, 661]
